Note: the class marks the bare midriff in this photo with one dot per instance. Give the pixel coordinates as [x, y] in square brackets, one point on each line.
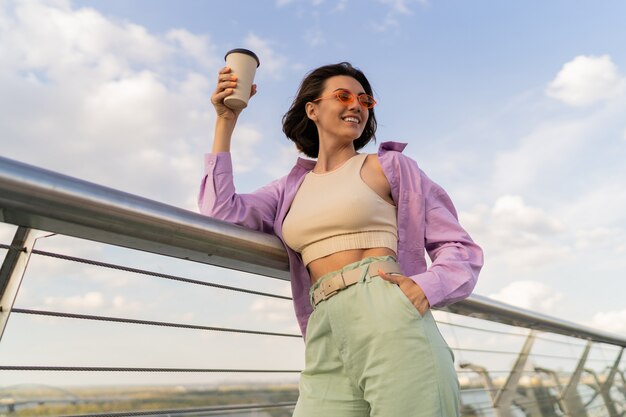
[338, 260]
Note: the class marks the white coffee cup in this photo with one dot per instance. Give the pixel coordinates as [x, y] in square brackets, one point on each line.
[243, 63]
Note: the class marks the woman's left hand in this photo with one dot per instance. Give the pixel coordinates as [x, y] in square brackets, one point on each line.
[410, 288]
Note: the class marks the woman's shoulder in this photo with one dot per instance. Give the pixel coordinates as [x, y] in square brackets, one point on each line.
[391, 153]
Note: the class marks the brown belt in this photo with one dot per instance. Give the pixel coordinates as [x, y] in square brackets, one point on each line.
[342, 280]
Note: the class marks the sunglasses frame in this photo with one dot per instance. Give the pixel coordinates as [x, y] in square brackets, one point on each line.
[351, 100]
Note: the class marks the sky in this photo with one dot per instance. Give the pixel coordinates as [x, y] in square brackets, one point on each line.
[515, 108]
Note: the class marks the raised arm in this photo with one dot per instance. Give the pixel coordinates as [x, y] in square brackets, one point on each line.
[218, 197]
[226, 117]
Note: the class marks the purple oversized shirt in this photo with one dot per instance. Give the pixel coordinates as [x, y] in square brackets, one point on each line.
[427, 221]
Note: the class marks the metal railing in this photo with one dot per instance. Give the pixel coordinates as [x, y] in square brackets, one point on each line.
[568, 378]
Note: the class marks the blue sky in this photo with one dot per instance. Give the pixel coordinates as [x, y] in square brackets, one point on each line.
[516, 108]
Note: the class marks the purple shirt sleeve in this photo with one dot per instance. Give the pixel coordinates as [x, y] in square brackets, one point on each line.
[218, 198]
[456, 259]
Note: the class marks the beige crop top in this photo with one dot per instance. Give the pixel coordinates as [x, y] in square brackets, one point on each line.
[338, 211]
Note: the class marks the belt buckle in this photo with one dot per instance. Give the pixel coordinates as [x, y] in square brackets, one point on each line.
[330, 285]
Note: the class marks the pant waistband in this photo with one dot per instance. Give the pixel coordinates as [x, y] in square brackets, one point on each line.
[345, 278]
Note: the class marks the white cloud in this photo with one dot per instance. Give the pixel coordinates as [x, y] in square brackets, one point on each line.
[272, 310]
[7, 231]
[272, 62]
[120, 306]
[511, 211]
[284, 160]
[90, 300]
[597, 236]
[245, 157]
[63, 43]
[340, 5]
[131, 104]
[94, 302]
[546, 148]
[603, 206]
[281, 3]
[610, 321]
[396, 8]
[530, 295]
[197, 47]
[586, 80]
[512, 224]
[518, 239]
[315, 37]
[399, 6]
[107, 101]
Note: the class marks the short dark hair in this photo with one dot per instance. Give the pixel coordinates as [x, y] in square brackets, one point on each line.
[302, 130]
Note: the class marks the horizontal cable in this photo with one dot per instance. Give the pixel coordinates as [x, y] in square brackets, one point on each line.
[543, 355]
[483, 351]
[17, 248]
[539, 355]
[121, 369]
[467, 371]
[147, 322]
[554, 399]
[191, 410]
[562, 342]
[481, 329]
[155, 274]
[478, 389]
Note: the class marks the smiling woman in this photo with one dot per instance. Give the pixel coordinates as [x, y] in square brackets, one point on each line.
[300, 128]
[355, 227]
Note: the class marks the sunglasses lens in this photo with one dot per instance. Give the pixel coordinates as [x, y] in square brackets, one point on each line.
[345, 96]
[367, 100]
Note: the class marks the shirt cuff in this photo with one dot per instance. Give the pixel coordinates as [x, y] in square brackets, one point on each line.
[429, 283]
[218, 163]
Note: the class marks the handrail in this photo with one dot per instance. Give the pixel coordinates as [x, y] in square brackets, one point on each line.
[46, 200]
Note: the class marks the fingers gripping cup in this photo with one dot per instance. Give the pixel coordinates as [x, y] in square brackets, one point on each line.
[243, 63]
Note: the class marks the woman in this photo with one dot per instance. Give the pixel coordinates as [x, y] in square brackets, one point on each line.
[355, 227]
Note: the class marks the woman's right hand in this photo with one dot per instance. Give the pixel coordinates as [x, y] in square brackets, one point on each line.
[226, 83]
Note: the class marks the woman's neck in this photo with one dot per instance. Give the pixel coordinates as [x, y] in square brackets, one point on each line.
[331, 157]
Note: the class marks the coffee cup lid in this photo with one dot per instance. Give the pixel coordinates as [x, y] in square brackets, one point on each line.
[244, 51]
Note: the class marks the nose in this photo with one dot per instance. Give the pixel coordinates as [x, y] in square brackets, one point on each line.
[355, 105]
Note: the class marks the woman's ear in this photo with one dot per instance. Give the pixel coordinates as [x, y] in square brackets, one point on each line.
[311, 111]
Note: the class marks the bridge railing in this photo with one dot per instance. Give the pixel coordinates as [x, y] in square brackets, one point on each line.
[68, 233]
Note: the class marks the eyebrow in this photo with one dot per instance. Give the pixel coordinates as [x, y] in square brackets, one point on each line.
[347, 89]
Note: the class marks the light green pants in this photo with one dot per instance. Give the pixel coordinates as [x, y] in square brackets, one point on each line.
[369, 353]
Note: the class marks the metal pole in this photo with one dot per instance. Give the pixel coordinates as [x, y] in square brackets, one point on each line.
[13, 268]
[485, 376]
[557, 385]
[605, 388]
[573, 406]
[506, 394]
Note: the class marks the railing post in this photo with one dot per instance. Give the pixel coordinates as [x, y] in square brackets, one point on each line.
[571, 402]
[504, 398]
[543, 401]
[13, 268]
[605, 387]
[485, 375]
[531, 400]
[623, 389]
[558, 387]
